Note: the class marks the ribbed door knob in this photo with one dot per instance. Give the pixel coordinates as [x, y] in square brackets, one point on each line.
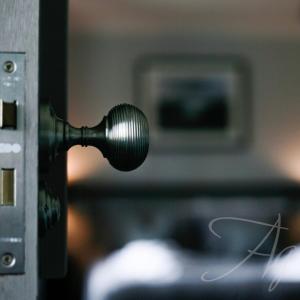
[122, 136]
[127, 137]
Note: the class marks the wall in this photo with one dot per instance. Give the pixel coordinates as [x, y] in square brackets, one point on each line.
[101, 75]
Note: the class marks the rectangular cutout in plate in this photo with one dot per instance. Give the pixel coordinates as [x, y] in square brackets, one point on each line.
[7, 187]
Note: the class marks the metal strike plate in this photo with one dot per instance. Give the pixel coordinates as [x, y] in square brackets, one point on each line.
[12, 164]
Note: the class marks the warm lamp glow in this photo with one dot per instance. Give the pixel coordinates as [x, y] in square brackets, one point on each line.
[81, 245]
[288, 161]
[79, 231]
[292, 168]
[83, 162]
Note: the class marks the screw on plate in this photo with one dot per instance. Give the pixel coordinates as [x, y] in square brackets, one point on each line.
[9, 66]
[8, 260]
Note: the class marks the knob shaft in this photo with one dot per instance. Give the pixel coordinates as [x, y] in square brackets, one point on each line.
[122, 136]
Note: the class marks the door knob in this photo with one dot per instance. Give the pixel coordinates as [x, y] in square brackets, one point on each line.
[122, 136]
[49, 209]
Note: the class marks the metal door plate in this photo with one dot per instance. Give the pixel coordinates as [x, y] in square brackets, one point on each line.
[12, 146]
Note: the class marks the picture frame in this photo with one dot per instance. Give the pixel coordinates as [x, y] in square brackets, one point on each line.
[194, 102]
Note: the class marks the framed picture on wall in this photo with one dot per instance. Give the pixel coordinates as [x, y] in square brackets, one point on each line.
[194, 103]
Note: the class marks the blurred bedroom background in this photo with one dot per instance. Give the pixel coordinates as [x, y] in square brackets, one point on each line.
[219, 81]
